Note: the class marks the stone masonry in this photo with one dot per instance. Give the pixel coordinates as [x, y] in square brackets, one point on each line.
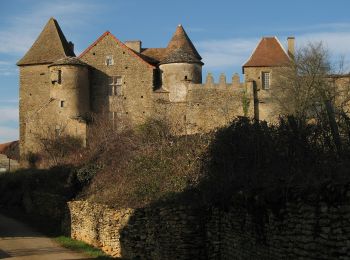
[302, 230]
[126, 82]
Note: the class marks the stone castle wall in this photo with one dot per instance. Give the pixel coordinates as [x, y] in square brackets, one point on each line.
[302, 231]
[34, 99]
[205, 107]
[41, 113]
[135, 99]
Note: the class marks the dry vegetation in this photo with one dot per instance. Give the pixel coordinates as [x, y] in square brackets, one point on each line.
[307, 152]
[133, 167]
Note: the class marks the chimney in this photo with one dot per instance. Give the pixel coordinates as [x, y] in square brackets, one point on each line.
[134, 45]
[291, 47]
[71, 46]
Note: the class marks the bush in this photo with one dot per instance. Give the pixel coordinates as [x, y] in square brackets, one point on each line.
[145, 165]
[254, 160]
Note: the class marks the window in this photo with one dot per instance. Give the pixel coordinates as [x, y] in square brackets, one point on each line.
[59, 76]
[56, 76]
[62, 103]
[266, 80]
[109, 60]
[115, 86]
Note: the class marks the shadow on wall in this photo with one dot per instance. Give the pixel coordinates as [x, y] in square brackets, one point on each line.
[165, 232]
[247, 206]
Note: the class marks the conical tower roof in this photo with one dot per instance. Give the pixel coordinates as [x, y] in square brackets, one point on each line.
[181, 48]
[50, 46]
[181, 55]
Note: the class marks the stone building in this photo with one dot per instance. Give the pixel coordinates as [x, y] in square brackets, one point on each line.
[261, 70]
[117, 80]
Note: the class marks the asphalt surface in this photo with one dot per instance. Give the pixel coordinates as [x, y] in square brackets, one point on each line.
[18, 241]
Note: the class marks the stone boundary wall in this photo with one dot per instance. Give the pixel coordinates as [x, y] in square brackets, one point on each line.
[317, 231]
[302, 231]
[148, 233]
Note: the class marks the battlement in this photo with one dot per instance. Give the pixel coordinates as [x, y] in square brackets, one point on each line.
[222, 83]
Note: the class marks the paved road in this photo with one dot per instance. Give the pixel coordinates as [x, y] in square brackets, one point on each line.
[18, 241]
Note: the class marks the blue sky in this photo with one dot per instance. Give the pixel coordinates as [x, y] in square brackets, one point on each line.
[225, 32]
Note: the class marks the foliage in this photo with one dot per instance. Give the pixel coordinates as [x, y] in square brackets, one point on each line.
[245, 102]
[57, 147]
[309, 90]
[86, 173]
[57, 180]
[145, 165]
[270, 163]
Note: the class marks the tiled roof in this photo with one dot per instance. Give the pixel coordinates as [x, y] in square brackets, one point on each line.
[10, 149]
[181, 49]
[50, 46]
[180, 39]
[69, 61]
[122, 45]
[268, 53]
[181, 55]
[156, 54]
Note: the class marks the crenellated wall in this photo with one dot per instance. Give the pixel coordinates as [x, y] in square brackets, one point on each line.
[205, 107]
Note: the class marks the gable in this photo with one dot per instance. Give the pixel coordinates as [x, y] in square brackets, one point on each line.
[112, 40]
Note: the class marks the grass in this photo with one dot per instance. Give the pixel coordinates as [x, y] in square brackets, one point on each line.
[80, 246]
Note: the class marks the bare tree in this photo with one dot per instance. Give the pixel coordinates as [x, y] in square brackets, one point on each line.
[57, 146]
[307, 89]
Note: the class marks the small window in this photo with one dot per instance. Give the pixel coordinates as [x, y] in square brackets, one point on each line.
[59, 76]
[265, 80]
[56, 76]
[115, 86]
[109, 60]
[62, 103]
[185, 77]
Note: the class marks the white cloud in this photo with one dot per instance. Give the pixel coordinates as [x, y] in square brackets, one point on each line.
[8, 114]
[8, 134]
[225, 53]
[22, 30]
[337, 42]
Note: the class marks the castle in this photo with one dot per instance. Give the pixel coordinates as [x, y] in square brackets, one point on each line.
[58, 89]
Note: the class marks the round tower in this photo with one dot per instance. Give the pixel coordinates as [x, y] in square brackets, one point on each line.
[182, 65]
[70, 87]
[69, 94]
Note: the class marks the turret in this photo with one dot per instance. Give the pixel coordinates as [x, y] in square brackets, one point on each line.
[36, 109]
[70, 87]
[181, 65]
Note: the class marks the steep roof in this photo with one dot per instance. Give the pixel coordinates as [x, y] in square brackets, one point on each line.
[50, 46]
[156, 54]
[180, 39]
[181, 55]
[10, 149]
[122, 45]
[268, 53]
[181, 49]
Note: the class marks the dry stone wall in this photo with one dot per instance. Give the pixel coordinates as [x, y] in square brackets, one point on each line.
[305, 232]
[300, 231]
[150, 233]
